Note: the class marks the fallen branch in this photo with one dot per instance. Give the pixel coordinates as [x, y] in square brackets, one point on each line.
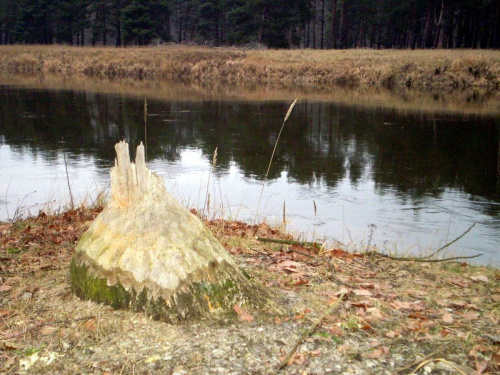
[450, 243]
[38, 326]
[310, 331]
[287, 242]
[425, 260]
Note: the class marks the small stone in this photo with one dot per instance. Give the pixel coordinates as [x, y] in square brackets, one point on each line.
[427, 369]
[218, 353]
[445, 367]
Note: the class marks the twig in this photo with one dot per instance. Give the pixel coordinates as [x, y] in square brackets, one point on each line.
[258, 251]
[302, 253]
[47, 324]
[451, 364]
[309, 332]
[449, 243]
[414, 363]
[69, 185]
[424, 260]
[286, 242]
[6, 205]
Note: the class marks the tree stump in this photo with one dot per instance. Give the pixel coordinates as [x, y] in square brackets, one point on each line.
[147, 252]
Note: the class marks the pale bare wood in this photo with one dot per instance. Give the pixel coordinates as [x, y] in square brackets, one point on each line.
[144, 239]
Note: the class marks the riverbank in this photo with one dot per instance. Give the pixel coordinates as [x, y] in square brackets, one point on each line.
[395, 317]
[427, 70]
[469, 102]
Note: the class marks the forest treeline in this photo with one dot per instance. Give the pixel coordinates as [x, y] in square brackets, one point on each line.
[318, 24]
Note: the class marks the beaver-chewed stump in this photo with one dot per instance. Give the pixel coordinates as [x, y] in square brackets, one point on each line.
[145, 251]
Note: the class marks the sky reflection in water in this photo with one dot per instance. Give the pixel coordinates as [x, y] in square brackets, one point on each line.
[420, 179]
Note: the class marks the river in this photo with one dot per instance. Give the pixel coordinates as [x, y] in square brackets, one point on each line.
[406, 181]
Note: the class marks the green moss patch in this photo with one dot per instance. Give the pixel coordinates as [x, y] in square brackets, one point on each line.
[199, 299]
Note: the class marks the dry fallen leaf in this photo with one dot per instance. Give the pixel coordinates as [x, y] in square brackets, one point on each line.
[299, 317]
[391, 334]
[459, 282]
[484, 279]
[383, 285]
[342, 290]
[471, 315]
[336, 330]
[5, 288]
[375, 313]
[496, 358]
[242, 314]
[47, 330]
[447, 318]
[377, 353]
[362, 292]
[90, 325]
[301, 281]
[298, 359]
[11, 346]
[403, 305]
[9, 362]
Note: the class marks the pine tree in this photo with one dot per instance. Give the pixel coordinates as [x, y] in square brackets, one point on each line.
[35, 22]
[144, 21]
[210, 24]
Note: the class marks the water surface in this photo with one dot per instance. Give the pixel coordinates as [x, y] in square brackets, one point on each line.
[359, 175]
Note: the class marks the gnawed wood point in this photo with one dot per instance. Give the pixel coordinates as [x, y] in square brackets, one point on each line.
[147, 252]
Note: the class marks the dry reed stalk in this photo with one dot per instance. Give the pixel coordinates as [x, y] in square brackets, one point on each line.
[69, 185]
[211, 170]
[289, 112]
[146, 129]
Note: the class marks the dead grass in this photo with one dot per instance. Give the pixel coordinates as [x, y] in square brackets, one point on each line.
[393, 69]
[393, 316]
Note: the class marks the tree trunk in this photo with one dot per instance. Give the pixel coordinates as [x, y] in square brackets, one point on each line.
[322, 24]
[341, 24]
[147, 252]
[332, 43]
[438, 23]
[314, 24]
[496, 28]
[104, 32]
[118, 34]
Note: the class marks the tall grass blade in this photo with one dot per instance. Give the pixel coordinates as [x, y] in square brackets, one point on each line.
[207, 197]
[69, 185]
[145, 129]
[272, 155]
[279, 135]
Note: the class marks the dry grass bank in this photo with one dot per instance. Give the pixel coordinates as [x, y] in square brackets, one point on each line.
[395, 317]
[394, 69]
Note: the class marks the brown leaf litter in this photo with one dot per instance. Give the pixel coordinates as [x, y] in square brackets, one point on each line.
[390, 317]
